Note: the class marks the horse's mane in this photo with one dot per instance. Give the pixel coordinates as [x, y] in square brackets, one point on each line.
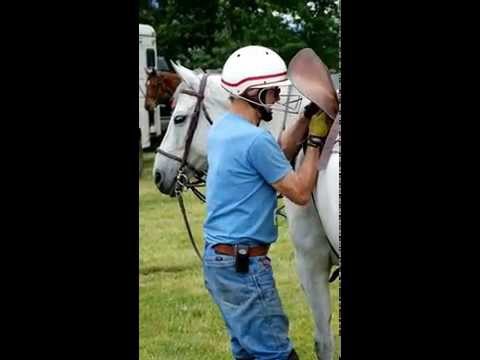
[167, 73]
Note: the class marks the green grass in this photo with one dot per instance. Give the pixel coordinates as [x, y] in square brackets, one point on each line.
[178, 320]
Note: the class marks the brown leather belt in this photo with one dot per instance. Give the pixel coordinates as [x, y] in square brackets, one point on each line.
[224, 249]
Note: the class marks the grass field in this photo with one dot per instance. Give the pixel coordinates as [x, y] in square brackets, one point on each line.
[178, 320]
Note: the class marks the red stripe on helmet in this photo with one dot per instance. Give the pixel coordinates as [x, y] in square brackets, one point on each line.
[254, 78]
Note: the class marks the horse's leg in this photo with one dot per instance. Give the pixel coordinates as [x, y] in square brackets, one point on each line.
[313, 266]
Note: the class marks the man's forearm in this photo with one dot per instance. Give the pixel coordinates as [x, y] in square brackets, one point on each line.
[307, 172]
[291, 139]
[298, 185]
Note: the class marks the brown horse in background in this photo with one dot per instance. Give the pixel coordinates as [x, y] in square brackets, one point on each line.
[160, 86]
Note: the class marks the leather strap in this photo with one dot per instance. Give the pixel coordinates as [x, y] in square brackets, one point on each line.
[315, 141]
[252, 251]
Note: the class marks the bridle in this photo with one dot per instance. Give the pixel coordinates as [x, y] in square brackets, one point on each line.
[182, 180]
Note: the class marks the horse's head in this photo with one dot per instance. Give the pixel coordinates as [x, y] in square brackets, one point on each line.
[185, 127]
[160, 87]
[152, 86]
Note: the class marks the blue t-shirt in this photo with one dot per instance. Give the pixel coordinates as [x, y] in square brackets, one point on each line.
[243, 162]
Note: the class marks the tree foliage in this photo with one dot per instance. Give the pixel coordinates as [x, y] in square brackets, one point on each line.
[204, 33]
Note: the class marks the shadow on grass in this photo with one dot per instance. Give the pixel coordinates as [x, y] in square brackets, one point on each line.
[166, 269]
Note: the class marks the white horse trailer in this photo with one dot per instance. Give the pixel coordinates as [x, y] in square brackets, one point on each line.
[149, 126]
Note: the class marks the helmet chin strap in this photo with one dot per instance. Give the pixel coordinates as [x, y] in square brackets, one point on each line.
[265, 115]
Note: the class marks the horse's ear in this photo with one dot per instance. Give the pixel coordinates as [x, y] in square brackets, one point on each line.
[187, 75]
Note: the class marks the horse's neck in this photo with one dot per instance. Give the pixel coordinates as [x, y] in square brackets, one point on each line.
[169, 74]
[170, 79]
[168, 85]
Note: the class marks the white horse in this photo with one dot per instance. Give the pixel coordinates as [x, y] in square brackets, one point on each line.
[309, 233]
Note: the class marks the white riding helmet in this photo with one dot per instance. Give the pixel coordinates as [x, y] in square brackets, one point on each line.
[253, 67]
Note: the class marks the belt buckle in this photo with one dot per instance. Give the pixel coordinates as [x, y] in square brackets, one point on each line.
[242, 250]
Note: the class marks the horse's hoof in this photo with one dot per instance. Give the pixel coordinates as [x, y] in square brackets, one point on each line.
[293, 355]
[316, 351]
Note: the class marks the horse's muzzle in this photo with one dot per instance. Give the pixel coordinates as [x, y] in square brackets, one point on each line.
[162, 186]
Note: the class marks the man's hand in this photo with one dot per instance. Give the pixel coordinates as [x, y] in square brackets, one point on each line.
[318, 125]
[317, 130]
[310, 110]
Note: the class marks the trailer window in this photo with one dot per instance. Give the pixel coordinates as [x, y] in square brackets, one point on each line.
[150, 58]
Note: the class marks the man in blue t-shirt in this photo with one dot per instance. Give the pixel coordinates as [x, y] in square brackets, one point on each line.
[246, 169]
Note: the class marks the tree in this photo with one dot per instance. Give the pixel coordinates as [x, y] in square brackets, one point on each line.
[204, 33]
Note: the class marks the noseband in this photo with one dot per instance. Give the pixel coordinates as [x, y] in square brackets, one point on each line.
[182, 181]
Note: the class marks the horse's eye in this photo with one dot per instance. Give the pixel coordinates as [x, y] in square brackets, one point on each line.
[179, 119]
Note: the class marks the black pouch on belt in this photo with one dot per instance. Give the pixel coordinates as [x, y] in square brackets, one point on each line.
[241, 258]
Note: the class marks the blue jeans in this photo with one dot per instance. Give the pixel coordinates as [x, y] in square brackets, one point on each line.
[250, 306]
